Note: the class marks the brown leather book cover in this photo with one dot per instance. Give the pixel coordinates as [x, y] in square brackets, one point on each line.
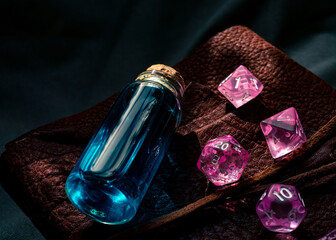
[35, 166]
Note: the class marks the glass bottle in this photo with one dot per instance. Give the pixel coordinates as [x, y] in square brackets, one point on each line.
[113, 173]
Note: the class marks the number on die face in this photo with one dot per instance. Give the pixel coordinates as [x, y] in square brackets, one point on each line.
[223, 160]
[281, 208]
[240, 87]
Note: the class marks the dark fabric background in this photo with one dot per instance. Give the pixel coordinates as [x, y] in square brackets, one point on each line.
[61, 57]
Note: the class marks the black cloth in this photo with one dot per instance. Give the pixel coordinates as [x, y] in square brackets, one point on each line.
[61, 57]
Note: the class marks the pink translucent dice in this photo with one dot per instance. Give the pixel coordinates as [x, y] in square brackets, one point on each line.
[223, 160]
[240, 86]
[281, 208]
[283, 132]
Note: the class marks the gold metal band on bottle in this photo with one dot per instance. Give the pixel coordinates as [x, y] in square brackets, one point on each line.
[165, 79]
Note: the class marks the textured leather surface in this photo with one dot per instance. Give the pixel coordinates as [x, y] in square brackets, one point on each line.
[36, 165]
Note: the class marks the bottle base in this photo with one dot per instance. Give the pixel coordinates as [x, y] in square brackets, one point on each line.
[101, 202]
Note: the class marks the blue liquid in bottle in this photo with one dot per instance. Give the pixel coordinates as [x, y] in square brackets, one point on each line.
[113, 173]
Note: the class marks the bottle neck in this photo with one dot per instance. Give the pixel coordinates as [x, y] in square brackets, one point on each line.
[165, 79]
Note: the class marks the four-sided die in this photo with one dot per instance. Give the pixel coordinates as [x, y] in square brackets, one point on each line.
[223, 160]
[283, 132]
[281, 208]
[240, 86]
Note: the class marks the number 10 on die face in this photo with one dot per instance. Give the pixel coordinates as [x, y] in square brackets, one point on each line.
[281, 208]
[283, 194]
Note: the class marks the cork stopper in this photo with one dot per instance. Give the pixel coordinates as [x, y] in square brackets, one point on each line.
[171, 71]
